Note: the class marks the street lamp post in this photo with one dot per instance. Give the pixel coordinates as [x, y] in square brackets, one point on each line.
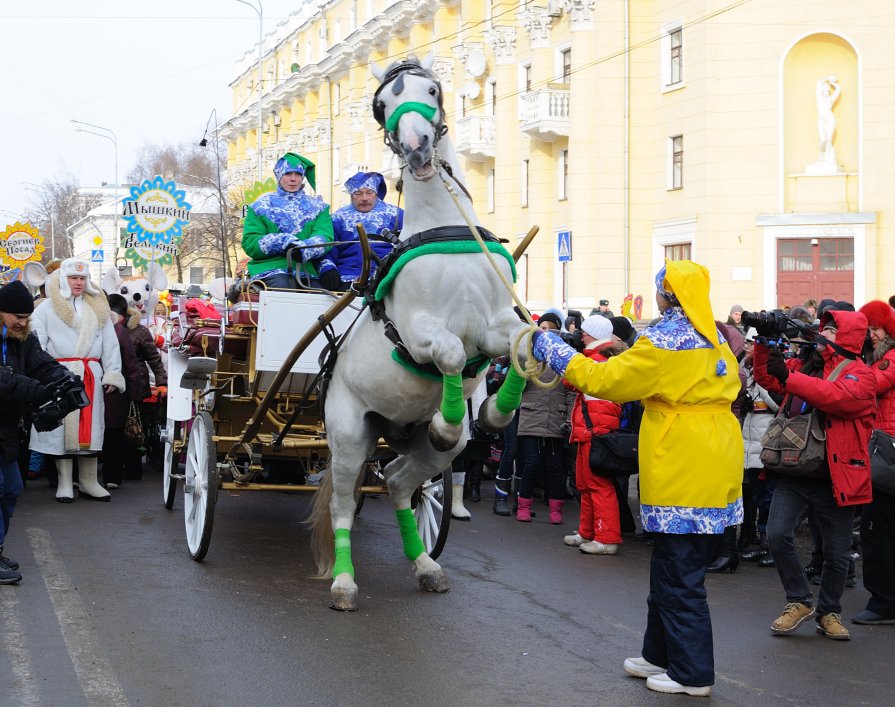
[108, 135]
[217, 154]
[260, 12]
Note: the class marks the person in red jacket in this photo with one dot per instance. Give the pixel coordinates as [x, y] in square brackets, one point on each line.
[849, 407]
[599, 529]
[878, 519]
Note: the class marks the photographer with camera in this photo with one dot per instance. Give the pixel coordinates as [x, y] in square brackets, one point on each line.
[836, 382]
[75, 328]
[25, 373]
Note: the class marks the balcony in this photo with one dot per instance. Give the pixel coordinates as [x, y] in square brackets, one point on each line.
[545, 112]
[475, 137]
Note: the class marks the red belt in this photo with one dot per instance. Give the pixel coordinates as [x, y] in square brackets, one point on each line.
[85, 421]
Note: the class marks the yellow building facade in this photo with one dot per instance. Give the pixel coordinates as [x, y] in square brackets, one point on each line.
[752, 136]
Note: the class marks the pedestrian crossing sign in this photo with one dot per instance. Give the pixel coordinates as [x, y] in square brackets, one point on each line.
[96, 256]
[564, 246]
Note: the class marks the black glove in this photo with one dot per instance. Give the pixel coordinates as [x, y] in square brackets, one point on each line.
[37, 393]
[330, 279]
[777, 366]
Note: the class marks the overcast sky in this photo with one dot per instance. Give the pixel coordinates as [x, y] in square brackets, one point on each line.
[150, 71]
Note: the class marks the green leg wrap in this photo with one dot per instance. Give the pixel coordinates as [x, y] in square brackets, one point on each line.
[413, 544]
[343, 553]
[509, 397]
[453, 406]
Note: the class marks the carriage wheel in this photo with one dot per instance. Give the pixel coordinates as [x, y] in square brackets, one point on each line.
[172, 462]
[200, 487]
[432, 510]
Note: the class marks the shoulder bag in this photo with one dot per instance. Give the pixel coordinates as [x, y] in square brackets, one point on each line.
[613, 453]
[882, 462]
[797, 446]
[133, 427]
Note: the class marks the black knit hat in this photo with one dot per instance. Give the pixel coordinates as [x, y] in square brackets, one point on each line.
[16, 299]
[552, 318]
[118, 304]
[622, 328]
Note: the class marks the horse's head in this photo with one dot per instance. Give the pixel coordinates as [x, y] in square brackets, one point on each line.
[408, 107]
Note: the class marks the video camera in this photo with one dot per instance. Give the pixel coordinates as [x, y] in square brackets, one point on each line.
[66, 395]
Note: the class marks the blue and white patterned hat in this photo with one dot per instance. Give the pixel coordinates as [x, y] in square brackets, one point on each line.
[367, 180]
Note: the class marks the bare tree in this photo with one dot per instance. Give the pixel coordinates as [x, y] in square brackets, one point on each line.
[56, 205]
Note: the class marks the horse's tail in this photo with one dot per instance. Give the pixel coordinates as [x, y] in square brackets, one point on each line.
[320, 520]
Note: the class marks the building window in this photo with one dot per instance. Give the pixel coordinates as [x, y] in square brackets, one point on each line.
[566, 60]
[219, 271]
[462, 106]
[490, 191]
[524, 180]
[197, 274]
[491, 98]
[337, 158]
[526, 77]
[672, 55]
[678, 251]
[563, 174]
[676, 162]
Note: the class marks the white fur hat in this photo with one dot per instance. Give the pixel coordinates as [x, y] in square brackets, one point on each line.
[75, 267]
[598, 327]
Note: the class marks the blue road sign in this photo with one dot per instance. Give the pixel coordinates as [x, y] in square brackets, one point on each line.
[564, 246]
[96, 256]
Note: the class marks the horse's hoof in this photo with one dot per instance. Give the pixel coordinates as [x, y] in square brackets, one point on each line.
[434, 582]
[343, 600]
[440, 443]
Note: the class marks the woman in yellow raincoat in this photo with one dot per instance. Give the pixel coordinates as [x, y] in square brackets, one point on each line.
[691, 454]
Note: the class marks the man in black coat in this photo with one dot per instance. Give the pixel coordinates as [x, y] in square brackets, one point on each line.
[25, 373]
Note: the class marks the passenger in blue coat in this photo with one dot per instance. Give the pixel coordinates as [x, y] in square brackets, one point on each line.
[367, 190]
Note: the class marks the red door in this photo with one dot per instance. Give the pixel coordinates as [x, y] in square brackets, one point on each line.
[816, 268]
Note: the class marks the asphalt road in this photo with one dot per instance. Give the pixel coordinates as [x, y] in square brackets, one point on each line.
[112, 611]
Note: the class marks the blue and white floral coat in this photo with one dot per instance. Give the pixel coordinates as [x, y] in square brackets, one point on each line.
[348, 259]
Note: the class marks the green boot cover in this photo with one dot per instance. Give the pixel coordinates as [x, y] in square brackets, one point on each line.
[509, 397]
[343, 553]
[410, 536]
[453, 405]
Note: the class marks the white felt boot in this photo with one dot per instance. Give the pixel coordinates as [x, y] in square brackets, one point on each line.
[87, 483]
[64, 491]
[458, 510]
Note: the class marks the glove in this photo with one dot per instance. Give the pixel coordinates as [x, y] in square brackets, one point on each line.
[162, 391]
[330, 279]
[549, 348]
[776, 366]
[37, 392]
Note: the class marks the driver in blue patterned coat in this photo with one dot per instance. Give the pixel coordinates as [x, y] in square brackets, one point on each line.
[367, 190]
[289, 216]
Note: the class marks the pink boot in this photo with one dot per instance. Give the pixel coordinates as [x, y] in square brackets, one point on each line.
[556, 511]
[524, 511]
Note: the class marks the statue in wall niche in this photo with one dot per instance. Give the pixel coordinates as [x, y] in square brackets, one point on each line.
[827, 92]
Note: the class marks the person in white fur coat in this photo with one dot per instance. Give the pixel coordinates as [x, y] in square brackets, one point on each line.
[75, 328]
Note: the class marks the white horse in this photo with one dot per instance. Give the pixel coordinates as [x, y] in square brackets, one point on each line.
[447, 309]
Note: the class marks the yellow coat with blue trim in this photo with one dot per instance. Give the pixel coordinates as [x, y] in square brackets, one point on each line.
[690, 446]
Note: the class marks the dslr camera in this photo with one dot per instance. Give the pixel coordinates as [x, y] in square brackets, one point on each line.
[66, 395]
[573, 339]
[773, 325]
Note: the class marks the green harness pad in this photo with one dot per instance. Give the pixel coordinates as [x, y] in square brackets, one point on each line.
[509, 396]
[343, 553]
[470, 246]
[410, 536]
[424, 109]
[430, 371]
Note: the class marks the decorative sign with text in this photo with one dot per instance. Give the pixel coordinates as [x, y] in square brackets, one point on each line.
[156, 211]
[20, 244]
[253, 192]
[141, 254]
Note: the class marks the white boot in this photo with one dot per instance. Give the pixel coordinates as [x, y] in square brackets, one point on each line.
[87, 484]
[458, 510]
[64, 491]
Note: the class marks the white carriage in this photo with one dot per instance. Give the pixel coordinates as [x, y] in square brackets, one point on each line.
[244, 410]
